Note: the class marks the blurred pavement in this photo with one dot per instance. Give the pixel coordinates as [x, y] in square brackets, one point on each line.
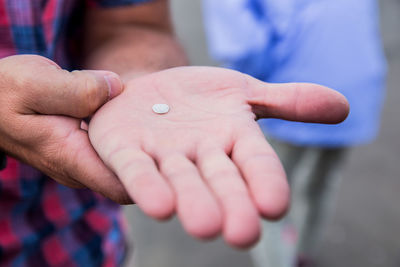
[364, 231]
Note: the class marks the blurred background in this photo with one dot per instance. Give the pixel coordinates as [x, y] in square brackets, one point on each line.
[364, 230]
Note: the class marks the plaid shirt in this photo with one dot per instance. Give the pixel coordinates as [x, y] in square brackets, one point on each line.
[43, 223]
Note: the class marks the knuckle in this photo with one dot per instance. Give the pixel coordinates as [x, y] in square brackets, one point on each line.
[140, 178]
[24, 70]
[173, 159]
[222, 174]
[89, 93]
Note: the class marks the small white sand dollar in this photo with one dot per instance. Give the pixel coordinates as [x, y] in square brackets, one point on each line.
[161, 108]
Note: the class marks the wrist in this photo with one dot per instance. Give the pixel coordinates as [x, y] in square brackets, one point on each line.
[130, 75]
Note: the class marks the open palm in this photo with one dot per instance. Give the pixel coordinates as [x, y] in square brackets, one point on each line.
[206, 159]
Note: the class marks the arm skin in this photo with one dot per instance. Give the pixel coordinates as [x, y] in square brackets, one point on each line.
[132, 40]
[206, 160]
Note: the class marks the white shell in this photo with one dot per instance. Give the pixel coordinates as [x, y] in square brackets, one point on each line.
[161, 108]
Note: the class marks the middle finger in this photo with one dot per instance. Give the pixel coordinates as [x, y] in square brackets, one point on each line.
[196, 207]
[241, 219]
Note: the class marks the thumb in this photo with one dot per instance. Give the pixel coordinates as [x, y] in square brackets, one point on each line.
[297, 102]
[45, 88]
[78, 94]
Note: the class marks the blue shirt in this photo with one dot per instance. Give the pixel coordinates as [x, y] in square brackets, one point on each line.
[330, 42]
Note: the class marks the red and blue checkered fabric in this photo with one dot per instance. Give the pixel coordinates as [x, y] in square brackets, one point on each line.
[43, 223]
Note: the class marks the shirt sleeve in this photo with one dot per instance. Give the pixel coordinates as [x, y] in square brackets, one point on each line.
[115, 3]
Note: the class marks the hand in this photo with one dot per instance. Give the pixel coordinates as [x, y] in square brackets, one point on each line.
[206, 159]
[41, 110]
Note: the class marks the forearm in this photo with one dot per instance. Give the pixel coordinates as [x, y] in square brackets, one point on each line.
[133, 52]
[131, 41]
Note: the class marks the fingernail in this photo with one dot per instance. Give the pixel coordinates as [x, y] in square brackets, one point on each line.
[114, 84]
